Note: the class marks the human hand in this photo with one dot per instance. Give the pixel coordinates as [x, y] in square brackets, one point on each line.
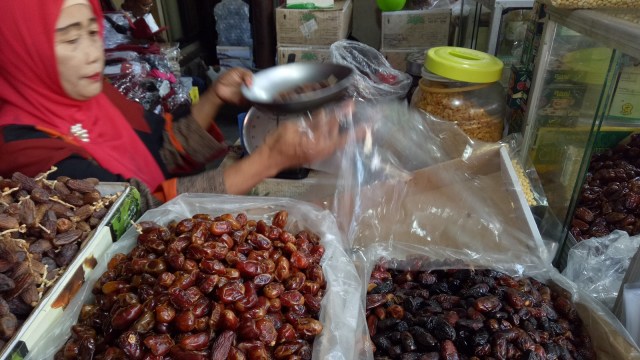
[298, 143]
[227, 86]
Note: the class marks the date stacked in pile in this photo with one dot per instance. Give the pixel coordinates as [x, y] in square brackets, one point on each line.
[206, 288]
[469, 314]
[42, 225]
[610, 197]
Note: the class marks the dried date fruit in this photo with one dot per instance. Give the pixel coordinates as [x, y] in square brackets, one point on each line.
[159, 345]
[472, 314]
[221, 347]
[205, 276]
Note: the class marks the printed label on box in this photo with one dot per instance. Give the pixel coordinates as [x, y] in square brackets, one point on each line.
[626, 101]
[415, 28]
[129, 211]
[561, 101]
[304, 54]
[308, 28]
[313, 27]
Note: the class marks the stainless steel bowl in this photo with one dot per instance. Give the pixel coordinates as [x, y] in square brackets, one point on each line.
[269, 83]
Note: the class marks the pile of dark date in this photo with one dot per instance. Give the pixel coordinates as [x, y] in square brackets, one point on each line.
[417, 313]
[610, 197]
[42, 225]
[206, 287]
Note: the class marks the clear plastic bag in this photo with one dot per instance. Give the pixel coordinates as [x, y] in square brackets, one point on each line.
[598, 265]
[342, 314]
[397, 137]
[461, 208]
[112, 36]
[374, 78]
[609, 337]
[232, 23]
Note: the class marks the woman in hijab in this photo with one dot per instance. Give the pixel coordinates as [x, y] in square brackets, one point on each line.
[56, 110]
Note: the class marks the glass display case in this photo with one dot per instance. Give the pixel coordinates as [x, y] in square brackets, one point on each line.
[496, 27]
[584, 99]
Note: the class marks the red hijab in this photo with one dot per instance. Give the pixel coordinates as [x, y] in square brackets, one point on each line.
[31, 92]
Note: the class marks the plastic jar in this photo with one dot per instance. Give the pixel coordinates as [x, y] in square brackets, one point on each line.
[462, 85]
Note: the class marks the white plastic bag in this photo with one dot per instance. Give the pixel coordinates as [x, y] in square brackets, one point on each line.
[341, 313]
[374, 78]
[598, 265]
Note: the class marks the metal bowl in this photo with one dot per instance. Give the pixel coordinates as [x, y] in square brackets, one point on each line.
[269, 83]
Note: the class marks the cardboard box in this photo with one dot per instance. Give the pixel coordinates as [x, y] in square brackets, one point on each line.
[313, 54]
[313, 27]
[397, 58]
[309, 4]
[55, 301]
[626, 101]
[415, 29]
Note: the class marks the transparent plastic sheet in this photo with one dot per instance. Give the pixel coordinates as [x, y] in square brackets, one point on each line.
[140, 89]
[412, 171]
[232, 23]
[374, 78]
[398, 139]
[158, 61]
[427, 4]
[121, 56]
[342, 314]
[179, 97]
[113, 38]
[172, 53]
[598, 265]
[609, 337]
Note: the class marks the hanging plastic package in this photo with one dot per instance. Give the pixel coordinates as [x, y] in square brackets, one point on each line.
[375, 79]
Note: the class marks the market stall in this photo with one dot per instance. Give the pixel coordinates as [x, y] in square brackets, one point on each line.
[437, 230]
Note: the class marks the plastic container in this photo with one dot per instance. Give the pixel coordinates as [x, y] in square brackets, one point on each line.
[462, 85]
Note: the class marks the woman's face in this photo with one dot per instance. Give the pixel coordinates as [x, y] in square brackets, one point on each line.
[79, 52]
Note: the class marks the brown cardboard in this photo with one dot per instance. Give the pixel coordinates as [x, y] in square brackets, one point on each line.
[398, 58]
[415, 29]
[313, 54]
[607, 341]
[313, 27]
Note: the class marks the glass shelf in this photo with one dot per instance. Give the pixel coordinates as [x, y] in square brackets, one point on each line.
[584, 99]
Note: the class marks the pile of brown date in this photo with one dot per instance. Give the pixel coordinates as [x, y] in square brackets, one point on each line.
[43, 224]
[610, 197]
[414, 313]
[206, 287]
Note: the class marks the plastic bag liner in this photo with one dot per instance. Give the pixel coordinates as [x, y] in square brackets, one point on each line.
[395, 137]
[598, 265]
[342, 314]
[610, 339]
[442, 190]
[374, 78]
[466, 203]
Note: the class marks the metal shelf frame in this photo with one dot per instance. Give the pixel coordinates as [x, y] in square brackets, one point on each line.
[498, 8]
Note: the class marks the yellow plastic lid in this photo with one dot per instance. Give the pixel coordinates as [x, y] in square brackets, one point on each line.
[463, 64]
